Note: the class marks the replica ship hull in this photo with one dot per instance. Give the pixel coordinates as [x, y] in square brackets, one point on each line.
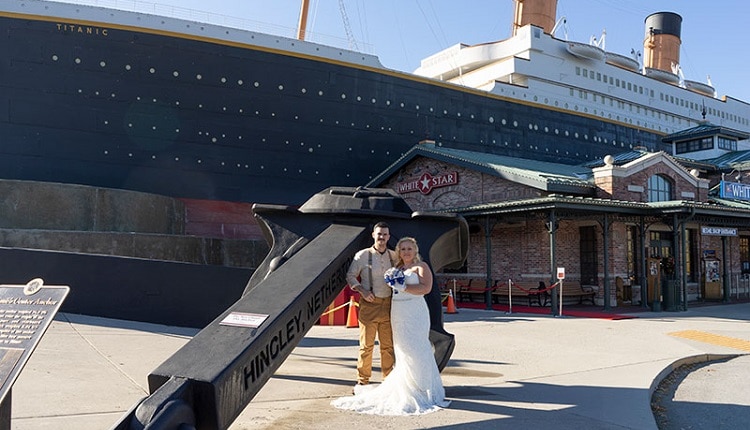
[107, 103]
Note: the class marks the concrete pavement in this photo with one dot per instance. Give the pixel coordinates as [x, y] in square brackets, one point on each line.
[508, 371]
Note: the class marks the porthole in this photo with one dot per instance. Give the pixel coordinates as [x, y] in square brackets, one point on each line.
[127, 67]
[175, 73]
[102, 64]
[152, 70]
[55, 58]
[78, 61]
[198, 77]
[256, 84]
[492, 120]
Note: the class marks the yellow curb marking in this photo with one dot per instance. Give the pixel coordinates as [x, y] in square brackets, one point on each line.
[714, 339]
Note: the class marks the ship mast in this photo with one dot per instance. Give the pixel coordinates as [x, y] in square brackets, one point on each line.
[302, 26]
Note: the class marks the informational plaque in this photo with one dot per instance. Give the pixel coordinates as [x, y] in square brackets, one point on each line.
[25, 313]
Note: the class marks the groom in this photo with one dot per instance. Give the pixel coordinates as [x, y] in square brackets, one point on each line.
[365, 276]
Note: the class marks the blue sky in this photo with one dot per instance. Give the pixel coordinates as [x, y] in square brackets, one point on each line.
[715, 35]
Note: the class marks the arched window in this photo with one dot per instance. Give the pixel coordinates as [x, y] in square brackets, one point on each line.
[659, 189]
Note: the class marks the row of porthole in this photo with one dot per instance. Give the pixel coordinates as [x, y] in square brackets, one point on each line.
[303, 91]
[240, 82]
[223, 164]
[602, 113]
[257, 84]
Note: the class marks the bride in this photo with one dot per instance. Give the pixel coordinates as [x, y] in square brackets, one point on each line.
[414, 386]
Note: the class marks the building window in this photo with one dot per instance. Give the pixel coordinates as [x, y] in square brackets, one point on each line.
[660, 244]
[728, 144]
[695, 145]
[659, 189]
[589, 258]
[745, 254]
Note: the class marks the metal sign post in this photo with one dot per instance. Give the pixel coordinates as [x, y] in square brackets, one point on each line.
[560, 278]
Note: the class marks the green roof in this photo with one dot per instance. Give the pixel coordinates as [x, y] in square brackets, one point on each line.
[550, 177]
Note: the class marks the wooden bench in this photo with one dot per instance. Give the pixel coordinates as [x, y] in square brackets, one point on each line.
[474, 288]
[574, 290]
[530, 294]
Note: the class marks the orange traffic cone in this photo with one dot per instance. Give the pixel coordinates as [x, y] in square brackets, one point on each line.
[450, 307]
[352, 320]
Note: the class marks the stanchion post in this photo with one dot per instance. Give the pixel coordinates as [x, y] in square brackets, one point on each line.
[561, 295]
[510, 297]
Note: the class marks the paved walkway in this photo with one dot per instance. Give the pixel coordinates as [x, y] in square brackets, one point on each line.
[507, 372]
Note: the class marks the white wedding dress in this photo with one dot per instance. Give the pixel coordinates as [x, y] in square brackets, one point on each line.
[414, 386]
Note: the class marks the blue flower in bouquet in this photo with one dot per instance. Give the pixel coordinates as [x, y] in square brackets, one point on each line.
[394, 277]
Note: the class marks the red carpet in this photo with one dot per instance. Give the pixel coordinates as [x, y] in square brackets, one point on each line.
[594, 312]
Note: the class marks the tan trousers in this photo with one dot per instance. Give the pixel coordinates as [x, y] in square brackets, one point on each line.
[374, 319]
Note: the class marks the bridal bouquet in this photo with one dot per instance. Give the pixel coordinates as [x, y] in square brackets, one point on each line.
[395, 279]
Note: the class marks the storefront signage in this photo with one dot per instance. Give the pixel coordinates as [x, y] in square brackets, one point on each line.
[426, 183]
[718, 231]
[734, 190]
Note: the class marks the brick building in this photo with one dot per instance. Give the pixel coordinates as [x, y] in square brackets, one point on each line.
[637, 228]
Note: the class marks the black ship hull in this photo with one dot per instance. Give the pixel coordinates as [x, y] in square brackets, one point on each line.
[113, 106]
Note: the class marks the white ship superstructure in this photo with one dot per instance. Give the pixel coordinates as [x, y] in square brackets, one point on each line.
[535, 67]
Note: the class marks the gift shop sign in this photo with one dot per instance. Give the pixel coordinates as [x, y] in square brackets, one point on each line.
[426, 183]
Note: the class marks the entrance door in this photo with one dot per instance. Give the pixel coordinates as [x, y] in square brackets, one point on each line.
[654, 280]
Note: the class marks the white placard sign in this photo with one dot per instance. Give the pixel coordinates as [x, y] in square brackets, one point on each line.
[243, 319]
